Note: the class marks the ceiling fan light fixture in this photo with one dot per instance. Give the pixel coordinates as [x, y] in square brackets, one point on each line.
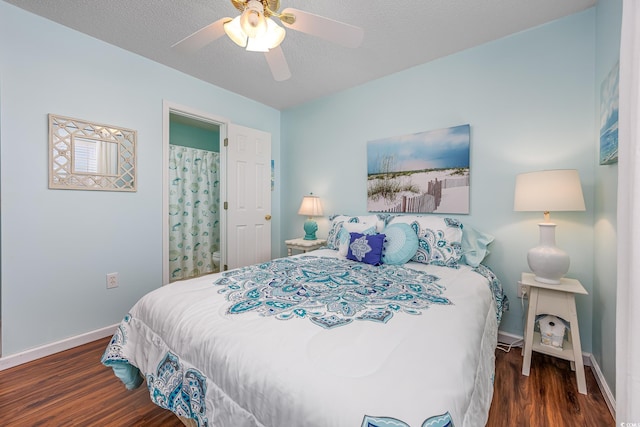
[235, 33]
[270, 40]
[254, 30]
[257, 44]
[252, 20]
[275, 34]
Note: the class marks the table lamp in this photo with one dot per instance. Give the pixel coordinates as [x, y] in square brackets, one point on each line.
[545, 191]
[310, 207]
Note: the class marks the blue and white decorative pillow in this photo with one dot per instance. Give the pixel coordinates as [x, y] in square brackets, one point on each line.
[366, 248]
[332, 237]
[439, 239]
[336, 222]
[344, 235]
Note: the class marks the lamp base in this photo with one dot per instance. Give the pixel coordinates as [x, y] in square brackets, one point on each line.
[548, 262]
[310, 228]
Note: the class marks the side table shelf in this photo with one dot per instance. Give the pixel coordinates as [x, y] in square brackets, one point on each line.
[303, 245]
[557, 300]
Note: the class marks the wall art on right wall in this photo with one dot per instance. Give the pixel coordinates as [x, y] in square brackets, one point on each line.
[609, 117]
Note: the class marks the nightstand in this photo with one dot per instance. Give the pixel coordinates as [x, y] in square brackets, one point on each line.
[557, 300]
[304, 245]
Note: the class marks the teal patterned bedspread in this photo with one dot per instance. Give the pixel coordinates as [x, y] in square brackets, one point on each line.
[333, 292]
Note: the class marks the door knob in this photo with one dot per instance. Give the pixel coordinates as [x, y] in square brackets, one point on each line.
[267, 217]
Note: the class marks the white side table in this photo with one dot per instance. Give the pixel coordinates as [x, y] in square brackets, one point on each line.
[557, 300]
[304, 245]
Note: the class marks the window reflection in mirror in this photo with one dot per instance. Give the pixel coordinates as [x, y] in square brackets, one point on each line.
[95, 156]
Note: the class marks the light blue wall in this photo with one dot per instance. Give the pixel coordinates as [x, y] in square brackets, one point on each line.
[58, 245]
[608, 25]
[529, 99]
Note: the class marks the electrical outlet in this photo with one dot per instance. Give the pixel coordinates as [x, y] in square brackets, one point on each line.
[112, 280]
[523, 291]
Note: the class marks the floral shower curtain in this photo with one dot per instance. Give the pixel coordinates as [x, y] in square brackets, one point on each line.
[194, 219]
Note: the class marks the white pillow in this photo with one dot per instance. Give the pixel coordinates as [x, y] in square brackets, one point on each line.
[362, 219]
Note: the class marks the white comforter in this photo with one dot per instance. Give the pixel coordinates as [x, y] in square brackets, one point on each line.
[233, 370]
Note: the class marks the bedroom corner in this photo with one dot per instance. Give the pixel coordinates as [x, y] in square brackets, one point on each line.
[60, 244]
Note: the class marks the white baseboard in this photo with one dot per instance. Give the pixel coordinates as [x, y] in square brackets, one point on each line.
[56, 347]
[604, 387]
[588, 360]
[509, 339]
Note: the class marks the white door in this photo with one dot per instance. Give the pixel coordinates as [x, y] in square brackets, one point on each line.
[248, 196]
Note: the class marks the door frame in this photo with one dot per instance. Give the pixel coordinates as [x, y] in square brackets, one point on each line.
[169, 107]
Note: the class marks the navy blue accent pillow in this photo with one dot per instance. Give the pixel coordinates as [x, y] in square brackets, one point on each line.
[366, 248]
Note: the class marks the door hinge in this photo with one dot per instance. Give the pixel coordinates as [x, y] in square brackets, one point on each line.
[226, 205]
[226, 142]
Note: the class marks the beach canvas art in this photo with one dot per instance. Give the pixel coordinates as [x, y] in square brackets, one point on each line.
[426, 172]
[609, 118]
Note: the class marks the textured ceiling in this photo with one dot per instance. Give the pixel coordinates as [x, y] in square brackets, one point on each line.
[397, 36]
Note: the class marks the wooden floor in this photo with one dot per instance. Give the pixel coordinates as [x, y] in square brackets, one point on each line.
[72, 388]
[547, 397]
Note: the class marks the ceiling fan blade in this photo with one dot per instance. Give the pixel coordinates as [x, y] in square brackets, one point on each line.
[278, 64]
[334, 31]
[202, 37]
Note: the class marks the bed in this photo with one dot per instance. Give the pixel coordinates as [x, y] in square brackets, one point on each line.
[320, 339]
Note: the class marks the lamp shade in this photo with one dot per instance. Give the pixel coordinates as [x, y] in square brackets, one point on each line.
[275, 34]
[549, 190]
[235, 33]
[310, 206]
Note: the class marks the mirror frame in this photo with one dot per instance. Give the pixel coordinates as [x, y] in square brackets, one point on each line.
[62, 133]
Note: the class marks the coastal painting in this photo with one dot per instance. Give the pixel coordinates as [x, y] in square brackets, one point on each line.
[609, 118]
[426, 172]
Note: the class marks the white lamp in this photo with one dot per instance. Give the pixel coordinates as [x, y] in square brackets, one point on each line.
[310, 207]
[549, 190]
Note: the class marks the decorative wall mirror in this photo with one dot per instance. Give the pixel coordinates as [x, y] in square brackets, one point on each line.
[91, 156]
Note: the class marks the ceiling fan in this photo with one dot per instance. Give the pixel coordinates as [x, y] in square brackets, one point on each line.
[256, 31]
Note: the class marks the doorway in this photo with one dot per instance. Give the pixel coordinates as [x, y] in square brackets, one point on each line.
[194, 184]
